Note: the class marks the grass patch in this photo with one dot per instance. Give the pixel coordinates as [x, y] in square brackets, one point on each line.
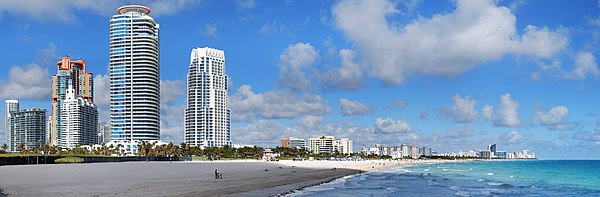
[199, 158]
[69, 160]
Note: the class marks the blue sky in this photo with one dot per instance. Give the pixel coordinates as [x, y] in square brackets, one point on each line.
[447, 74]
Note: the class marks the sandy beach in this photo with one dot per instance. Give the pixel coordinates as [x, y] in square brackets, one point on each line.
[240, 178]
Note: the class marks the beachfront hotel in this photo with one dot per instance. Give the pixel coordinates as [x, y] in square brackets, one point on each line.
[79, 121]
[294, 142]
[28, 127]
[344, 146]
[70, 73]
[134, 75]
[12, 105]
[207, 116]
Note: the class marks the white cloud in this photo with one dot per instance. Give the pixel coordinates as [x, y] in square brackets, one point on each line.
[463, 132]
[209, 30]
[27, 82]
[349, 76]
[262, 132]
[512, 137]
[167, 7]
[555, 119]
[65, 10]
[271, 27]
[247, 105]
[463, 109]
[390, 126]
[444, 45]
[246, 4]
[488, 110]
[507, 115]
[310, 122]
[294, 61]
[171, 110]
[102, 96]
[62, 11]
[585, 66]
[354, 108]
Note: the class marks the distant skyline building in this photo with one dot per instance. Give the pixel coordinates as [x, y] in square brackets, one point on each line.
[12, 105]
[294, 142]
[69, 73]
[27, 126]
[321, 145]
[134, 75]
[79, 121]
[344, 146]
[103, 132]
[207, 116]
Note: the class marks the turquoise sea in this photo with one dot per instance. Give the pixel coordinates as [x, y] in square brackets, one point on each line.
[479, 178]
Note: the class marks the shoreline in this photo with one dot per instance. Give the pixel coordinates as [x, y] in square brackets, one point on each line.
[376, 165]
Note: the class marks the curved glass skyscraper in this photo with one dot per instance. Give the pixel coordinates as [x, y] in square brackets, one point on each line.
[207, 117]
[134, 75]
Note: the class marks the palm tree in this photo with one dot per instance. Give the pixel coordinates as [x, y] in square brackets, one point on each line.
[21, 148]
[4, 147]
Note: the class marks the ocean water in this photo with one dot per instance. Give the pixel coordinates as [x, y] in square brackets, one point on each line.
[481, 178]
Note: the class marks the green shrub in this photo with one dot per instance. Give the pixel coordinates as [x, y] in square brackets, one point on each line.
[69, 160]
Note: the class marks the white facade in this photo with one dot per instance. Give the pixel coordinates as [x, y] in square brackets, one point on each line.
[12, 105]
[79, 120]
[134, 75]
[344, 146]
[207, 116]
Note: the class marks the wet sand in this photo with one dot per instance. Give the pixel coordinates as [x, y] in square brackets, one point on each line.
[240, 178]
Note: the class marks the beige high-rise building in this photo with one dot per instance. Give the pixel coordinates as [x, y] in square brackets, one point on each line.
[322, 145]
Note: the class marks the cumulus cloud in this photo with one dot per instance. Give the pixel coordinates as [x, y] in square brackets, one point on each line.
[349, 76]
[172, 110]
[512, 137]
[294, 61]
[487, 111]
[446, 44]
[310, 122]
[262, 132]
[390, 126]
[463, 109]
[209, 30]
[102, 96]
[27, 82]
[555, 119]
[463, 132]
[247, 105]
[585, 67]
[65, 10]
[354, 108]
[507, 114]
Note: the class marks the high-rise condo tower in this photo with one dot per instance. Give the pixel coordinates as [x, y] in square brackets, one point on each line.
[207, 117]
[70, 73]
[134, 75]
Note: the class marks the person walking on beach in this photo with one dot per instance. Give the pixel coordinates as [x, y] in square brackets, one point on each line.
[216, 174]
